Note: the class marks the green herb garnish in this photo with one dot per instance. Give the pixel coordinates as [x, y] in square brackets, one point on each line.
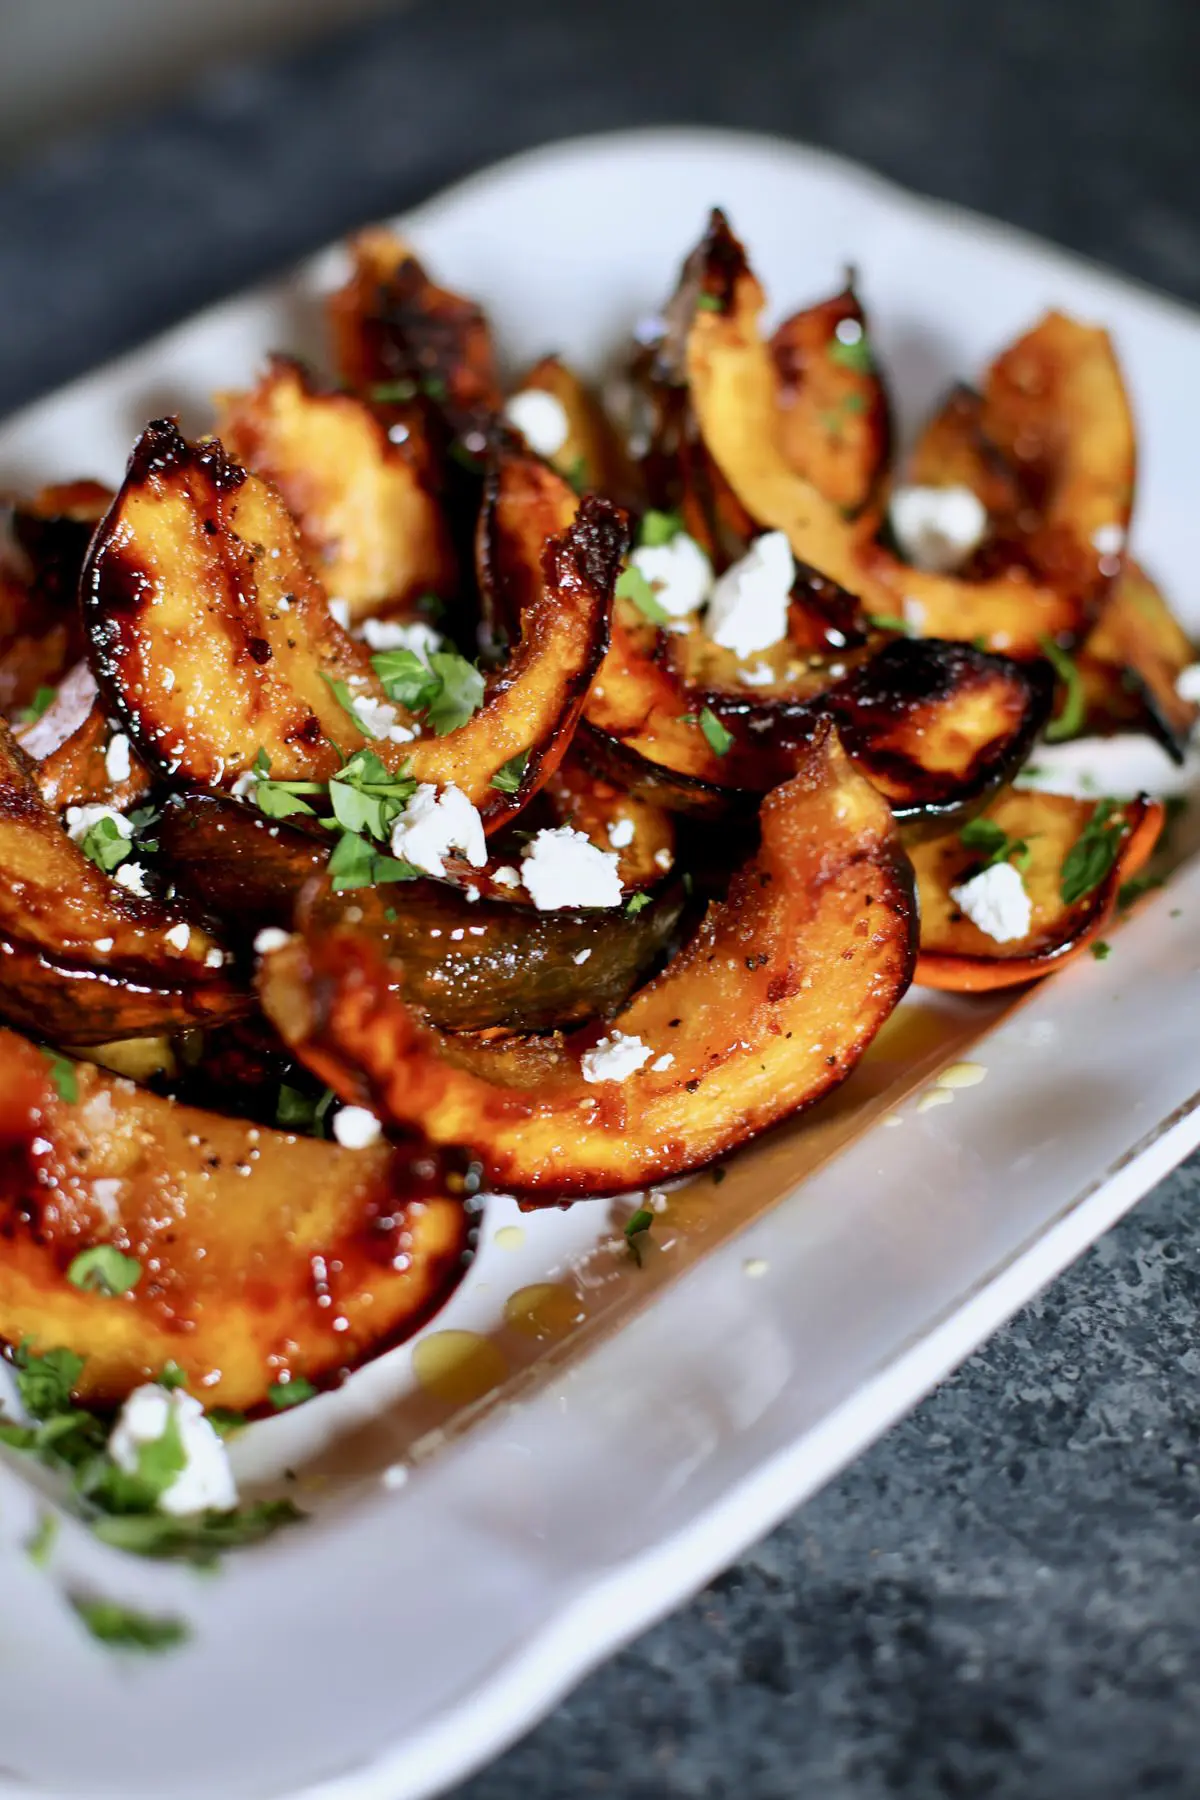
[199, 1539]
[41, 1544]
[393, 393]
[1135, 887]
[172, 1377]
[1092, 855]
[104, 844]
[633, 586]
[716, 736]
[993, 843]
[44, 698]
[357, 863]
[1068, 721]
[708, 303]
[460, 695]
[888, 622]
[126, 1629]
[635, 1225]
[285, 1394]
[1101, 951]
[508, 778]
[63, 1075]
[105, 1270]
[855, 356]
[407, 678]
[660, 528]
[46, 1380]
[297, 1111]
[636, 904]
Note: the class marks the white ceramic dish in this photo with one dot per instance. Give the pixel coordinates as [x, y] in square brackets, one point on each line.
[419, 1623]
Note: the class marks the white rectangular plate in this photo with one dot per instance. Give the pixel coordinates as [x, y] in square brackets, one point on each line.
[415, 1626]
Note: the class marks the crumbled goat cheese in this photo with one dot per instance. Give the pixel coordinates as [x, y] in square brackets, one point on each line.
[214, 958]
[179, 936]
[356, 1129]
[995, 900]
[679, 572]
[937, 528]
[663, 858]
[340, 612]
[621, 833]
[541, 419]
[392, 634]
[662, 1062]
[117, 759]
[760, 674]
[434, 823]
[581, 957]
[1187, 685]
[1108, 540]
[268, 939]
[561, 867]
[80, 820]
[507, 876]
[748, 609]
[614, 1058]
[205, 1481]
[378, 719]
[245, 784]
[104, 944]
[132, 876]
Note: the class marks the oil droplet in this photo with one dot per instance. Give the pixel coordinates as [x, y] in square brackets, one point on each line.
[545, 1310]
[510, 1237]
[934, 1097]
[910, 1033]
[458, 1366]
[961, 1075]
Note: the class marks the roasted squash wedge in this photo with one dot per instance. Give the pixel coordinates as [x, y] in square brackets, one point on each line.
[43, 544]
[82, 960]
[360, 486]
[262, 1256]
[834, 424]
[642, 834]
[1130, 664]
[397, 336]
[1060, 845]
[769, 1006]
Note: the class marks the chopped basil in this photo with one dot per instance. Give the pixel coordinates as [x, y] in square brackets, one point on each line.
[633, 586]
[284, 1394]
[508, 778]
[1068, 721]
[855, 356]
[62, 1074]
[37, 706]
[105, 1270]
[126, 1629]
[660, 528]
[716, 736]
[104, 844]
[1092, 855]
[635, 1225]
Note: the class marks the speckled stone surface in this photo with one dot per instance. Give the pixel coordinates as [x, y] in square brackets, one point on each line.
[1002, 1598]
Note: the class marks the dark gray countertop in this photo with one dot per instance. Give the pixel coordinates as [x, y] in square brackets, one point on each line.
[1002, 1597]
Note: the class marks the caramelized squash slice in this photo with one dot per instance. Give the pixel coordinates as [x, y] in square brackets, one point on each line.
[359, 485]
[641, 833]
[834, 424]
[1044, 831]
[397, 335]
[1130, 664]
[768, 1007]
[44, 544]
[591, 456]
[82, 960]
[262, 1256]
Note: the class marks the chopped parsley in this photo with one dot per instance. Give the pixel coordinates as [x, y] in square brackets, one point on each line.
[105, 1270]
[633, 586]
[104, 844]
[888, 622]
[1101, 951]
[284, 1394]
[198, 1539]
[635, 1225]
[660, 528]
[637, 904]
[43, 699]
[365, 798]
[393, 393]
[295, 1110]
[46, 1382]
[407, 678]
[1092, 855]
[41, 1545]
[1068, 721]
[994, 844]
[855, 356]
[126, 1629]
[1135, 887]
[708, 303]
[716, 736]
[357, 863]
[63, 1075]
[460, 694]
[508, 778]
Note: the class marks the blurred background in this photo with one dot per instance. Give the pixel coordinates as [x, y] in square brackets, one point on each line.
[1000, 1598]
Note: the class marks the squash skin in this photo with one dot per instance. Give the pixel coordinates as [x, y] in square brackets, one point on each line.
[262, 1254]
[768, 1007]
